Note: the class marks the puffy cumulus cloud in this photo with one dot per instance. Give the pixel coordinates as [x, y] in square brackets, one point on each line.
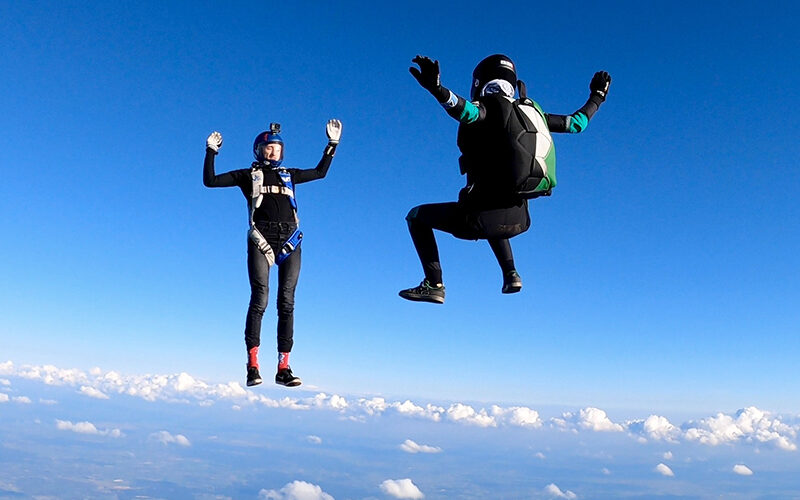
[429, 411]
[52, 375]
[555, 492]
[589, 418]
[4, 397]
[742, 470]
[468, 415]
[654, 427]
[401, 488]
[23, 400]
[6, 368]
[87, 428]
[314, 439]
[296, 490]
[520, 416]
[664, 470]
[166, 438]
[5, 382]
[749, 425]
[373, 406]
[410, 446]
[667, 455]
[92, 392]
[333, 402]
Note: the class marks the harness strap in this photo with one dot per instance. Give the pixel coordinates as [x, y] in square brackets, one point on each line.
[278, 190]
[290, 246]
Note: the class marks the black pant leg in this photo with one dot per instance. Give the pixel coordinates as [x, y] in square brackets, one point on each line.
[502, 251]
[258, 274]
[422, 220]
[288, 275]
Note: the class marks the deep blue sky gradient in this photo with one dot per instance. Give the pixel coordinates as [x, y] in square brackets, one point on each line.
[662, 274]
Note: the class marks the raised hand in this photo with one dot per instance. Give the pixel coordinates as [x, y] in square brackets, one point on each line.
[428, 73]
[214, 141]
[334, 131]
[600, 83]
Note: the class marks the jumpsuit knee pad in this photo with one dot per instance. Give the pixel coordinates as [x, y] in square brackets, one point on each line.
[412, 215]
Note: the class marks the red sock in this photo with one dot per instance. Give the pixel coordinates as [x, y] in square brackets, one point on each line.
[283, 360]
[252, 357]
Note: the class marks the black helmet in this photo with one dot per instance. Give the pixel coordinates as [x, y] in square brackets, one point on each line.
[493, 67]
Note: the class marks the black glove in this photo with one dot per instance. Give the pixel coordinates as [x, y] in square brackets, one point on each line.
[600, 83]
[428, 77]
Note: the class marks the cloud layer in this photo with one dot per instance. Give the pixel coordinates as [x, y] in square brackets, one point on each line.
[748, 425]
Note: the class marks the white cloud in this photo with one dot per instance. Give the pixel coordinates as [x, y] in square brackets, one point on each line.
[539, 455]
[49, 402]
[92, 392]
[22, 400]
[667, 455]
[6, 368]
[314, 439]
[605, 471]
[593, 419]
[296, 490]
[748, 425]
[166, 438]
[742, 470]
[5, 381]
[410, 446]
[555, 492]
[4, 397]
[520, 416]
[401, 488]
[654, 427]
[87, 428]
[664, 470]
[462, 413]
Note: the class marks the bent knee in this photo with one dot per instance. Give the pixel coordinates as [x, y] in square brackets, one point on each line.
[412, 215]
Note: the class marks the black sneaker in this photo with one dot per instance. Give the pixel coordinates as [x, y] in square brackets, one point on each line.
[425, 292]
[512, 283]
[253, 377]
[285, 377]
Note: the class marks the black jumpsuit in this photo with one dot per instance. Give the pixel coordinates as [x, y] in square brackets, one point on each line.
[275, 218]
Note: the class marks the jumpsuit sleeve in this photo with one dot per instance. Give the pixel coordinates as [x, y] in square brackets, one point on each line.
[461, 109]
[577, 121]
[211, 179]
[311, 174]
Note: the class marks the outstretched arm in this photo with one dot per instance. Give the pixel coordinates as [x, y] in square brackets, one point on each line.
[210, 178]
[579, 120]
[456, 106]
[334, 131]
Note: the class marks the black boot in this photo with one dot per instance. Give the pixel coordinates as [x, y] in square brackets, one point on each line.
[512, 283]
[253, 377]
[285, 377]
[425, 292]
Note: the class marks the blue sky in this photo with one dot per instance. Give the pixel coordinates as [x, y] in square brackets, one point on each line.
[661, 276]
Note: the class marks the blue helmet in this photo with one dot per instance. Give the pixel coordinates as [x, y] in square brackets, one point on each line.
[262, 139]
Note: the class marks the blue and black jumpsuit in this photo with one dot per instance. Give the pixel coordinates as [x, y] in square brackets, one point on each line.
[276, 219]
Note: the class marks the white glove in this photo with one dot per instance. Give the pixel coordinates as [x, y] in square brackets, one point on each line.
[334, 131]
[214, 141]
